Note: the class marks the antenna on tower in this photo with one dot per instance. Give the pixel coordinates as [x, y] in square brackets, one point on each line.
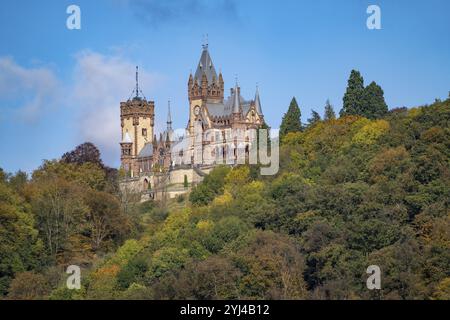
[136, 91]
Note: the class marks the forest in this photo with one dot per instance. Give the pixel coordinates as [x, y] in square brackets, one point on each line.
[368, 187]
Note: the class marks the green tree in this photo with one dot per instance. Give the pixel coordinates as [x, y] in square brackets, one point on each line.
[18, 181]
[60, 213]
[28, 286]
[185, 182]
[19, 243]
[214, 278]
[329, 111]
[353, 98]
[133, 272]
[315, 117]
[291, 121]
[373, 104]
[105, 219]
[210, 187]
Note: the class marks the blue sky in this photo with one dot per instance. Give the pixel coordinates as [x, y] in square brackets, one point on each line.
[61, 87]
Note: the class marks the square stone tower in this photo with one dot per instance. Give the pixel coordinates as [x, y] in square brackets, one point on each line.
[137, 116]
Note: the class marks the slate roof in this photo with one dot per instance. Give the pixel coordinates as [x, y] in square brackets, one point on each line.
[218, 109]
[147, 151]
[205, 65]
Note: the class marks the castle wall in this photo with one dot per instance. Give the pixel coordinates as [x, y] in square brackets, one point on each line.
[177, 176]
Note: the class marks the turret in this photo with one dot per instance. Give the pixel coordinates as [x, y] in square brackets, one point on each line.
[236, 103]
[137, 121]
[221, 84]
[258, 102]
[205, 84]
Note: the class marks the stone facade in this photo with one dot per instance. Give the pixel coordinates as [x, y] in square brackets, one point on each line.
[165, 162]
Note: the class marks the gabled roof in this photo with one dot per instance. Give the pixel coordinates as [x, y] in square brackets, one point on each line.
[205, 65]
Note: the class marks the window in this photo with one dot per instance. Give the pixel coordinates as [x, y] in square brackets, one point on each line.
[144, 132]
[126, 151]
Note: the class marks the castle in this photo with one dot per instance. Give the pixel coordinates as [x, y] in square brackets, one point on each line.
[168, 165]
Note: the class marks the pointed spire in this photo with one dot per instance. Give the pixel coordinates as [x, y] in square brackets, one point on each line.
[258, 101]
[205, 65]
[169, 118]
[236, 100]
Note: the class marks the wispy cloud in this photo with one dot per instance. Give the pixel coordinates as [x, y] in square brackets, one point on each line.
[92, 96]
[158, 12]
[100, 83]
[27, 92]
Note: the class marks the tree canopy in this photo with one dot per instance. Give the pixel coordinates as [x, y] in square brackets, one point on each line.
[364, 101]
[351, 192]
[291, 121]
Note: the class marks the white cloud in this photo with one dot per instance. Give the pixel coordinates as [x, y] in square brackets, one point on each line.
[30, 90]
[100, 83]
[92, 96]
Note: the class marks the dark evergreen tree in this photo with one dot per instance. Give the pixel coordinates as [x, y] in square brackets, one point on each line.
[185, 182]
[353, 98]
[374, 106]
[291, 120]
[315, 117]
[329, 112]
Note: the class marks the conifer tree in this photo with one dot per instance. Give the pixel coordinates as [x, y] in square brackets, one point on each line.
[374, 106]
[291, 120]
[329, 112]
[185, 182]
[353, 98]
[315, 117]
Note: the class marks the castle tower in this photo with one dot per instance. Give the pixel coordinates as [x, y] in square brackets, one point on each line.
[204, 87]
[237, 112]
[137, 117]
[169, 130]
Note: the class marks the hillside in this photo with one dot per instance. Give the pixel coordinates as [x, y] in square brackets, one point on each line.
[351, 192]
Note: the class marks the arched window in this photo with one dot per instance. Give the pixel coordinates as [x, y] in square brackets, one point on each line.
[145, 184]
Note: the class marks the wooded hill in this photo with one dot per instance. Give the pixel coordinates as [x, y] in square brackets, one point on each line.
[351, 192]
